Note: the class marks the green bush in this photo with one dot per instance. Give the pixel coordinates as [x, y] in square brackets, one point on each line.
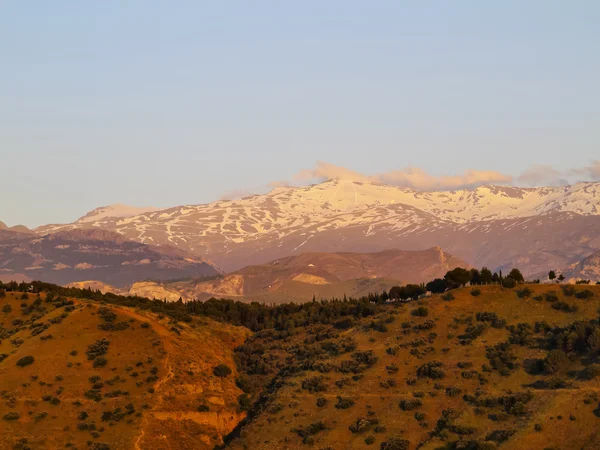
[475, 292]
[11, 416]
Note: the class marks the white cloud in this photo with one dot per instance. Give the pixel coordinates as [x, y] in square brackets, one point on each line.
[412, 177]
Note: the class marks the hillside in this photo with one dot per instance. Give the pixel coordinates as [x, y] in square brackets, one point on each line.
[536, 229]
[106, 377]
[478, 368]
[322, 275]
[480, 372]
[586, 269]
[92, 254]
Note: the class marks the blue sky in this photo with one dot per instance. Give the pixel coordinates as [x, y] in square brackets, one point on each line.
[167, 103]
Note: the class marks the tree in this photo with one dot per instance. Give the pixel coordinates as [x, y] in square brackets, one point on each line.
[593, 341]
[458, 276]
[516, 275]
[436, 286]
[395, 293]
[485, 275]
[475, 276]
[551, 275]
[561, 277]
[556, 361]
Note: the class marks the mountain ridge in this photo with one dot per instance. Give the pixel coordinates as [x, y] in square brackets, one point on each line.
[342, 215]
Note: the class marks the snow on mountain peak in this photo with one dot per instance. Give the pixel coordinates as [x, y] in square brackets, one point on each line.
[114, 210]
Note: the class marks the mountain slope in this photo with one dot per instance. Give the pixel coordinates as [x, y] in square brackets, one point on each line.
[586, 269]
[92, 254]
[481, 372]
[322, 275]
[342, 215]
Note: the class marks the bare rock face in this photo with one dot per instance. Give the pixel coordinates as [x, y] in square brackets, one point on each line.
[104, 256]
[152, 289]
[501, 227]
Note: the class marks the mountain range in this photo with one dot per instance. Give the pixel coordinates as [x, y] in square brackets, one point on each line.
[321, 275]
[500, 227]
[258, 241]
[92, 254]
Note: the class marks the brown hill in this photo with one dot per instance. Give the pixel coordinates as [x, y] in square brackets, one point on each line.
[469, 372]
[483, 368]
[92, 254]
[112, 378]
[323, 275]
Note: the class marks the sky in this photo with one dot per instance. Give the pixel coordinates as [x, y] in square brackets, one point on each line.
[168, 103]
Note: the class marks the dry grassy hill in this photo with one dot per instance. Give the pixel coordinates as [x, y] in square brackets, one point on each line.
[473, 372]
[476, 368]
[76, 374]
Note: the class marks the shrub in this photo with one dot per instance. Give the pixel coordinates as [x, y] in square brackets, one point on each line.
[584, 294]
[11, 416]
[410, 404]
[314, 384]
[421, 311]
[568, 290]
[431, 370]
[25, 361]
[321, 402]
[344, 403]
[245, 402]
[475, 292]
[524, 293]
[509, 283]
[100, 361]
[98, 348]
[449, 296]
[591, 372]
[222, 371]
[556, 361]
[361, 425]
[395, 443]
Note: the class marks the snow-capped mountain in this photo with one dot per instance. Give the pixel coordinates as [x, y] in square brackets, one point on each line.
[483, 225]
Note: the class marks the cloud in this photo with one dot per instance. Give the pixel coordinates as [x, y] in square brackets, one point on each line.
[542, 175]
[589, 172]
[412, 177]
[417, 178]
[325, 171]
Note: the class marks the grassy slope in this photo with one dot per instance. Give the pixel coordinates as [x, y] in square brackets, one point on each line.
[166, 419]
[292, 407]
